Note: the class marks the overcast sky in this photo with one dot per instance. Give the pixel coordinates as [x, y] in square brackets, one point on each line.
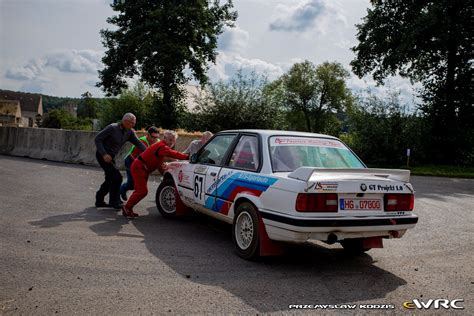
[54, 47]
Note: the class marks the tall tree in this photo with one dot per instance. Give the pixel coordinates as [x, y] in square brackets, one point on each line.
[316, 91]
[138, 100]
[429, 41]
[87, 107]
[240, 102]
[156, 40]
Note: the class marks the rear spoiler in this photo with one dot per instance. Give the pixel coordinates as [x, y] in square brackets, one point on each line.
[305, 173]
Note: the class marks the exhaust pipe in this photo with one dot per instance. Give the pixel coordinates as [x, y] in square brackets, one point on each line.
[332, 238]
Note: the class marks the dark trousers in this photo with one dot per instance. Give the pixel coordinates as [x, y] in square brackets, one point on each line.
[129, 184]
[112, 182]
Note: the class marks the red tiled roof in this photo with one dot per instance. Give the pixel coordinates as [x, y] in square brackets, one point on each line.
[28, 101]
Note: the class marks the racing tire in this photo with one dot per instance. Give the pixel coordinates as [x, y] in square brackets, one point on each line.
[166, 198]
[245, 231]
[354, 246]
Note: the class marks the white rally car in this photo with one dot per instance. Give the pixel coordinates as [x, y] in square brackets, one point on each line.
[279, 187]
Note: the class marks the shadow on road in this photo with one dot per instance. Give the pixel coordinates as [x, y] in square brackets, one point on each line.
[200, 249]
[108, 222]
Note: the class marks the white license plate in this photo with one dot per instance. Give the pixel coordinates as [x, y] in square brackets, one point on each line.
[360, 204]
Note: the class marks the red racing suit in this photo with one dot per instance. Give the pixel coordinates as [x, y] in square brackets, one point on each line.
[147, 162]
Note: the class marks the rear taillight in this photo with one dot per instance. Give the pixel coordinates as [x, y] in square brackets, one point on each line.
[316, 202]
[399, 202]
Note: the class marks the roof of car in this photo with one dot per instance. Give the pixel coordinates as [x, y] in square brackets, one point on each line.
[266, 132]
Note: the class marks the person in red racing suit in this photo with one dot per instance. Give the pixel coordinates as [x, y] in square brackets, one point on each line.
[147, 162]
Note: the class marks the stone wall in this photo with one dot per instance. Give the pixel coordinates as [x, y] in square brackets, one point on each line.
[61, 145]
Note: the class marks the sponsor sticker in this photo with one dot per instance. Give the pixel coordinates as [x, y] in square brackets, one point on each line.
[254, 178]
[326, 186]
[385, 187]
[305, 141]
[219, 180]
[201, 169]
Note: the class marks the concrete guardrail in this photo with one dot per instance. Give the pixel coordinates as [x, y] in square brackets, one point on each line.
[61, 145]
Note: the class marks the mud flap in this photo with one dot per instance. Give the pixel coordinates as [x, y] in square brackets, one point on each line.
[372, 242]
[268, 247]
[181, 209]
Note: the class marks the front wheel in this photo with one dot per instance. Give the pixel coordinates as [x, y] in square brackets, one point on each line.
[245, 231]
[354, 246]
[166, 198]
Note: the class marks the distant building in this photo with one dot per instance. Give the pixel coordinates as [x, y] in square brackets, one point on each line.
[31, 106]
[71, 108]
[10, 114]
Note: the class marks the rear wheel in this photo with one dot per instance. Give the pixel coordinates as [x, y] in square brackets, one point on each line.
[354, 246]
[166, 198]
[245, 231]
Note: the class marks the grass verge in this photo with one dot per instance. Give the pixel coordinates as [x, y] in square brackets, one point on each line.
[443, 171]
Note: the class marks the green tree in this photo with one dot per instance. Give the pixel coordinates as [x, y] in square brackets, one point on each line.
[157, 40]
[60, 118]
[381, 129]
[241, 102]
[138, 100]
[87, 108]
[316, 93]
[429, 42]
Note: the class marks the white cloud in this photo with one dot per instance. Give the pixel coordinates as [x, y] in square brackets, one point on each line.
[91, 83]
[37, 84]
[76, 61]
[234, 40]
[407, 91]
[227, 64]
[301, 16]
[69, 61]
[32, 69]
[49, 72]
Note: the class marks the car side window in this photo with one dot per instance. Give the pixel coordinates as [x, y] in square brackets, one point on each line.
[214, 151]
[246, 155]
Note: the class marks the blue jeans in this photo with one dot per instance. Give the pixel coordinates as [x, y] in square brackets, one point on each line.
[129, 184]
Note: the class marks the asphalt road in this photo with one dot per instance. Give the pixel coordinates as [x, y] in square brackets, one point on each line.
[59, 254]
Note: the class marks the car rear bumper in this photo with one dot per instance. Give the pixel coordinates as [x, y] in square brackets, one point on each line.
[301, 229]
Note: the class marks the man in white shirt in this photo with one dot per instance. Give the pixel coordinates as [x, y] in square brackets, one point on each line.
[198, 143]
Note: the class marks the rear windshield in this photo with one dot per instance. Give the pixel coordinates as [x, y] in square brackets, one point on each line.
[288, 153]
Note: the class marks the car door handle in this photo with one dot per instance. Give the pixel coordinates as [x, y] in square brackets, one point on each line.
[213, 174]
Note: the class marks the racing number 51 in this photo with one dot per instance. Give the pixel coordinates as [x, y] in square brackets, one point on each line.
[198, 186]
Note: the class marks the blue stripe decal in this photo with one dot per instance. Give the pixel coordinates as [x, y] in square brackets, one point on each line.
[225, 187]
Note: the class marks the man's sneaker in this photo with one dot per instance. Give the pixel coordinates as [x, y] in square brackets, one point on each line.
[101, 204]
[117, 206]
[123, 195]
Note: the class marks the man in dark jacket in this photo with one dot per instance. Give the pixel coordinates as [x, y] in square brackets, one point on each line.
[109, 141]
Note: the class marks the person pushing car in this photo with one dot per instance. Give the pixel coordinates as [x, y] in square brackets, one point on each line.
[109, 141]
[151, 137]
[147, 162]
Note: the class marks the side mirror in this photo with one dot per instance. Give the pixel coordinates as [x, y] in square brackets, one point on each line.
[193, 158]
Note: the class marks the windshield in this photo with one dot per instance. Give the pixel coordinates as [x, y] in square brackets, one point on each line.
[288, 153]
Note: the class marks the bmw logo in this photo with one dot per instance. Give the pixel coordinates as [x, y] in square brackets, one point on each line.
[363, 187]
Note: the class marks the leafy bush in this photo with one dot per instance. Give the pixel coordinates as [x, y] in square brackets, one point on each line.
[237, 104]
[60, 118]
[381, 130]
